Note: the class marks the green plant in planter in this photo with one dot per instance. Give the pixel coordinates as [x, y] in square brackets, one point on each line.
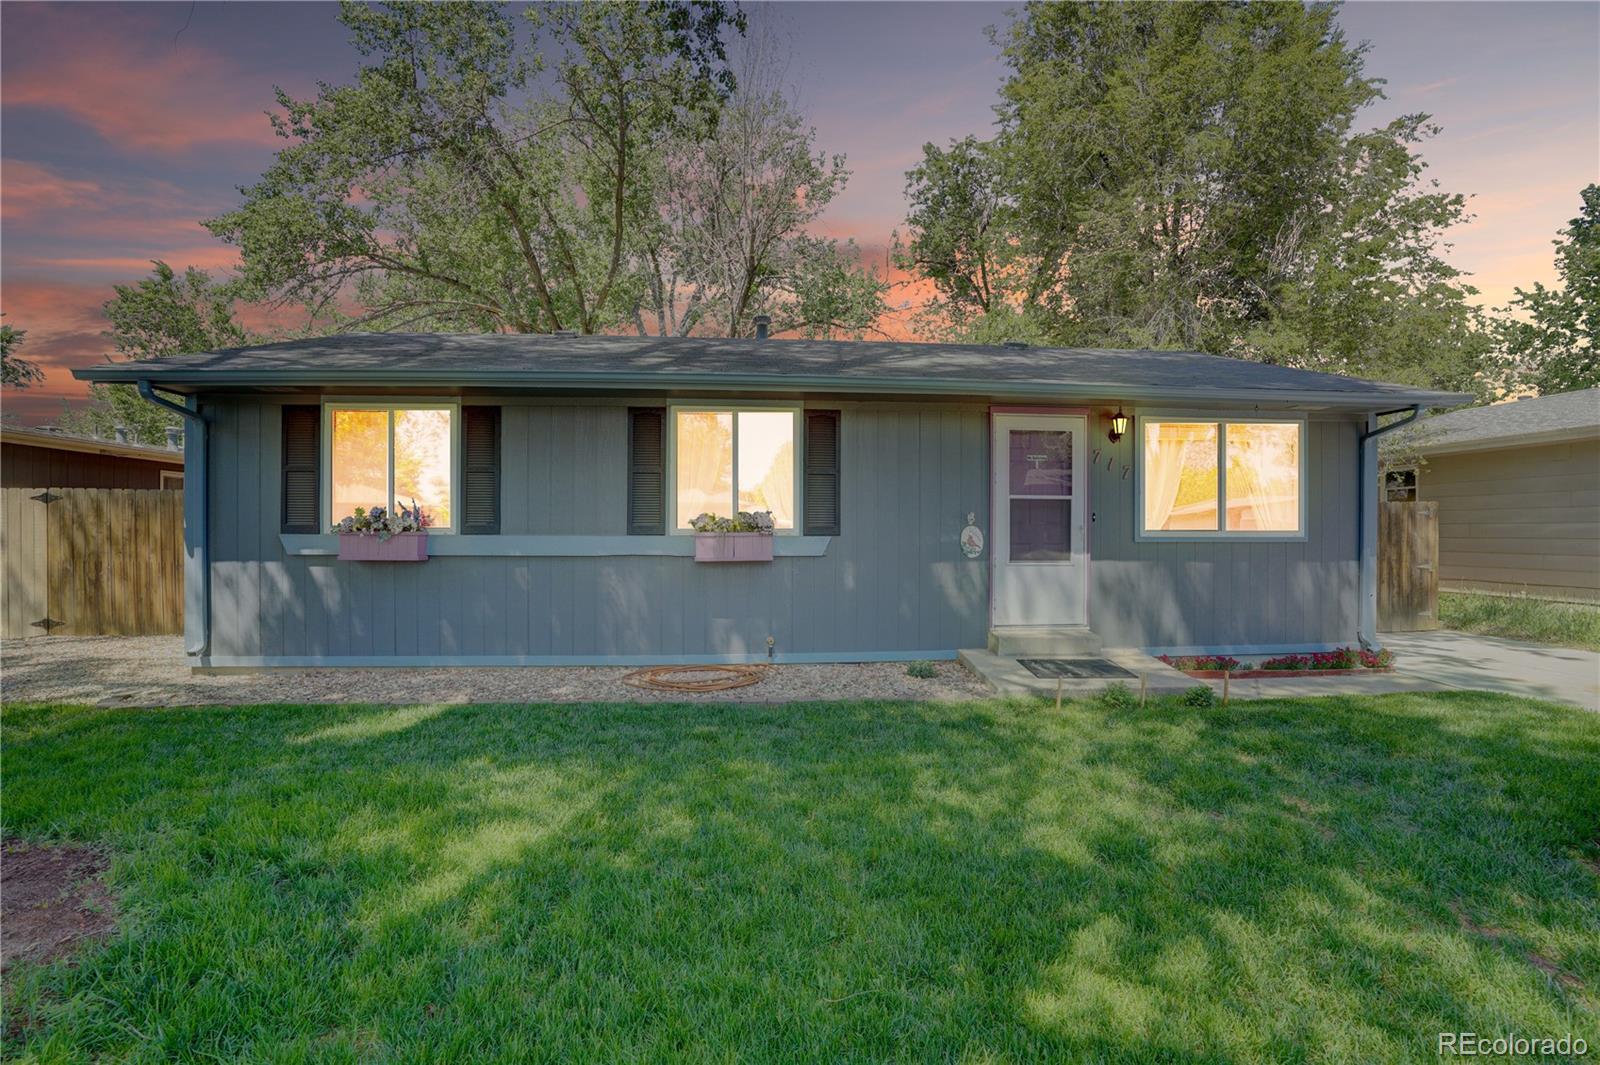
[746, 521]
[922, 669]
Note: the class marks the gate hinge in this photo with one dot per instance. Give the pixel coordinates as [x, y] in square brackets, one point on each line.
[46, 623]
[46, 496]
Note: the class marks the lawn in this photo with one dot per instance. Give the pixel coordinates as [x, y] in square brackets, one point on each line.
[1331, 880]
[1522, 618]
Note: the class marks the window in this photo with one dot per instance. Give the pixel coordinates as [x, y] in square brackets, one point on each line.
[726, 461]
[171, 479]
[1202, 477]
[381, 456]
[1400, 486]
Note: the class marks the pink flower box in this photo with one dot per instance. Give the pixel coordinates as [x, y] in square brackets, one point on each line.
[401, 547]
[732, 547]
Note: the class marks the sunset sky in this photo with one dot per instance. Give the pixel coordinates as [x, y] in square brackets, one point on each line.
[125, 124]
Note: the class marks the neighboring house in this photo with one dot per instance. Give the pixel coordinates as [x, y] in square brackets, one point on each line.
[46, 458]
[563, 472]
[1518, 491]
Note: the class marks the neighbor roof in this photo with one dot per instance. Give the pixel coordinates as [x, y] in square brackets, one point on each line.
[695, 364]
[1521, 422]
[57, 440]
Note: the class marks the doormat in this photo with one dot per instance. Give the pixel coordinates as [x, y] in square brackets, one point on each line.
[1072, 668]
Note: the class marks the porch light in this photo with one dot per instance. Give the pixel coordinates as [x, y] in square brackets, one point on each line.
[1119, 425]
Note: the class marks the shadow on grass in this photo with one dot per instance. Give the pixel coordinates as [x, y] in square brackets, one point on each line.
[1272, 882]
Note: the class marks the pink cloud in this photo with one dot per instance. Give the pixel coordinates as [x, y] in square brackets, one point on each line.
[137, 91]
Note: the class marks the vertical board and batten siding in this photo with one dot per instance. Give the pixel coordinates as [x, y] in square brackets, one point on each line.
[1518, 519]
[1226, 593]
[893, 582]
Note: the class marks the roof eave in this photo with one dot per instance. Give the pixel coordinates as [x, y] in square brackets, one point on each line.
[213, 380]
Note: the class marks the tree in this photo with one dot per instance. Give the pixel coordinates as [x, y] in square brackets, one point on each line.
[1190, 176]
[16, 372]
[729, 240]
[1555, 345]
[467, 180]
[164, 314]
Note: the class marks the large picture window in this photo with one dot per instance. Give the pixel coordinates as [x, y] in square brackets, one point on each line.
[730, 460]
[381, 456]
[1202, 477]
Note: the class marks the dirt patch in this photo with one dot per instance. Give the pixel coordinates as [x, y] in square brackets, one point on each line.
[51, 900]
[1533, 957]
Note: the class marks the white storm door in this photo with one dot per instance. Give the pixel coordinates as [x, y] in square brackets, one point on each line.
[1040, 558]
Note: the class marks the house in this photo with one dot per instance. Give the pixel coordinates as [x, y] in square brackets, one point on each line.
[927, 497]
[1517, 486]
[49, 458]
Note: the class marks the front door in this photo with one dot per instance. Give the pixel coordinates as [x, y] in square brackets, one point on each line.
[1040, 556]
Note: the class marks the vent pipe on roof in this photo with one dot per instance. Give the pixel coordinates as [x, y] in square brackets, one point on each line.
[121, 433]
[763, 325]
[174, 438]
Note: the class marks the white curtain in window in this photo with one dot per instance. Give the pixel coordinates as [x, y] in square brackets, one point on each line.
[1179, 456]
[704, 464]
[1263, 477]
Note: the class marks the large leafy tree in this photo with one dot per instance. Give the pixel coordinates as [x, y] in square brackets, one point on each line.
[729, 239]
[480, 175]
[1553, 343]
[1191, 176]
[15, 371]
[167, 313]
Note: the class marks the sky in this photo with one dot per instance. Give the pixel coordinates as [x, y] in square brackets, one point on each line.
[123, 125]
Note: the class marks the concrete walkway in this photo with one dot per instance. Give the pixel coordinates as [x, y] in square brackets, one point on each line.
[1457, 660]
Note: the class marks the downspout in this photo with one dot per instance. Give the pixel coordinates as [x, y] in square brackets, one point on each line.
[196, 530]
[1367, 620]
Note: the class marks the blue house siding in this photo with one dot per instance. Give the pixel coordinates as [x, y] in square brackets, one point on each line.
[1219, 594]
[894, 584]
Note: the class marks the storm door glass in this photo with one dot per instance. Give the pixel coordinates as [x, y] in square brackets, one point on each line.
[1040, 489]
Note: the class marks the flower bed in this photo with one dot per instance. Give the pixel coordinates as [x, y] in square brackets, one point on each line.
[1341, 662]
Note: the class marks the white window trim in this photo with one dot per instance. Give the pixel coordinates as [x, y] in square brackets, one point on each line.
[168, 477]
[392, 404]
[1416, 482]
[717, 406]
[1220, 420]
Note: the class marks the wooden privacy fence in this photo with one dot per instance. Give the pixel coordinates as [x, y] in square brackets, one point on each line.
[1408, 567]
[92, 562]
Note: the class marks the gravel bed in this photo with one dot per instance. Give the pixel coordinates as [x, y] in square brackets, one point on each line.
[152, 671]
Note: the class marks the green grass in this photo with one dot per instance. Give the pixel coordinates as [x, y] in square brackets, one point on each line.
[1331, 880]
[1520, 618]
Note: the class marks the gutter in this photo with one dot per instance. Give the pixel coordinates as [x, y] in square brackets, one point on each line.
[1367, 519]
[196, 524]
[698, 384]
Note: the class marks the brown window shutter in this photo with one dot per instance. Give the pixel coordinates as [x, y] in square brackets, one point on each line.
[822, 473]
[302, 468]
[480, 470]
[647, 471]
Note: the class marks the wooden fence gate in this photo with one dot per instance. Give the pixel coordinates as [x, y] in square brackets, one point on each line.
[92, 562]
[1408, 567]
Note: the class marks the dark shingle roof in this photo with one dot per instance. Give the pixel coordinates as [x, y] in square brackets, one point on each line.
[1562, 416]
[505, 360]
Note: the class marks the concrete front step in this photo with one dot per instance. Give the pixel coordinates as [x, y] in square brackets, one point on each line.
[1007, 677]
[1044, 641]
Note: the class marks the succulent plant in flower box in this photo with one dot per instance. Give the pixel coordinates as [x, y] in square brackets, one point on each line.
[745, 537]
[384, 535]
